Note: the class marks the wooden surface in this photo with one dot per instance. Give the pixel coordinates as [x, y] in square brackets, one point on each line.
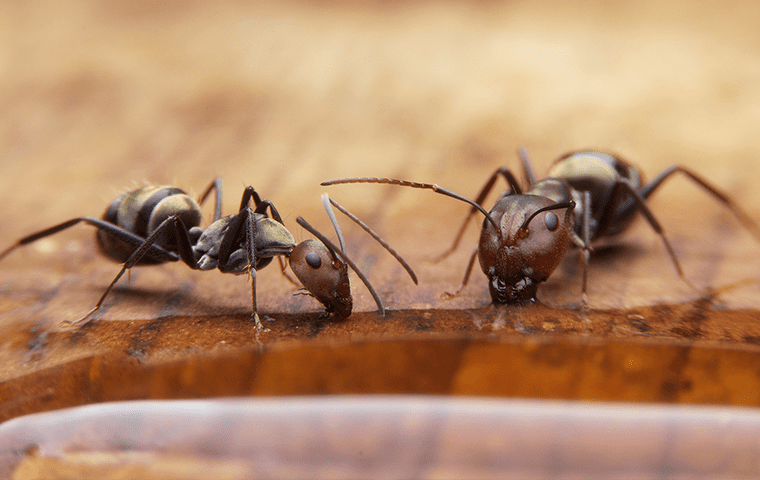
[98, 97]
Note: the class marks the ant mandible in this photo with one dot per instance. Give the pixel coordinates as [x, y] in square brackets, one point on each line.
[159, 224]
[523, 240]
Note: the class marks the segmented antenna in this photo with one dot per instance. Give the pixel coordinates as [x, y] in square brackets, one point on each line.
[569, 205]
[330, 213]
[366, 228]
[427, 186]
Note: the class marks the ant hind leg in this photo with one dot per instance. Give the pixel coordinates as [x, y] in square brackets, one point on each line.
[628, 208]
[146, 247]
[639, 202]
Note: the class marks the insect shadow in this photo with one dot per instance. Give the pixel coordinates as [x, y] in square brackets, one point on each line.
[158, 224]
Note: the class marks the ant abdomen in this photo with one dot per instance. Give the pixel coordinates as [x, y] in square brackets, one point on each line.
[141, 212]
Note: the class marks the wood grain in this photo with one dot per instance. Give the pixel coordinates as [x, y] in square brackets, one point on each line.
[98, 97]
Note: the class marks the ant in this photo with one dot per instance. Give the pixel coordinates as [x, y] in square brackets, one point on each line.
[159, 224]
[523, 240]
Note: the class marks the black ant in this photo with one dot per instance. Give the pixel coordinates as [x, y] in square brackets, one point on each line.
[159, 224]
[523, 240]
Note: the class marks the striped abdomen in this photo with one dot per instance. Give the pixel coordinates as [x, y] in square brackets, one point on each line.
[140, 212]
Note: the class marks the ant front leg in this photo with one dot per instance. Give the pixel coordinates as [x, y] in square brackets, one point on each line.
[244, 220]
[484, 191]
[284, 271]
[468, 271]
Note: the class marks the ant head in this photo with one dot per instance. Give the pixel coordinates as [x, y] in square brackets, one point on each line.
[323, 268]
[324, 275]
[533, 235]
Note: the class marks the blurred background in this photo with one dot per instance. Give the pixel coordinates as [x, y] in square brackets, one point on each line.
[98, 97]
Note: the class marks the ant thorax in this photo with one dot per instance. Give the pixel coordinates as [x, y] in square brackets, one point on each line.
[271, 239]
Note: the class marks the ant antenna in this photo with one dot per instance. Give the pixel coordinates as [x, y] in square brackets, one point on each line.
[427, 186]
[330, 213]
[569, 205]
[366, 228]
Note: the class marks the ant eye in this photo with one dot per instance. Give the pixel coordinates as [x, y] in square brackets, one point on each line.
[313, 260]
[551, 221]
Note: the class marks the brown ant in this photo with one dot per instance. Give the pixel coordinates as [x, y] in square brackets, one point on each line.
[523, 240]
[159, 224]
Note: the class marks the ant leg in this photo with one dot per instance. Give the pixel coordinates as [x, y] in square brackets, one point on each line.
[627, 209]
[184, 245]
[582, 241]
[485, 190]
[284, 271]
[146, 247]
[641, 204]
[586, 231]
[260, 206]
[216, 186]
[468, 271]
[42, 234]
[248, 194]
[156, 254]
[250, 223]
[228, 243]
[530, 177]
[243, 219]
